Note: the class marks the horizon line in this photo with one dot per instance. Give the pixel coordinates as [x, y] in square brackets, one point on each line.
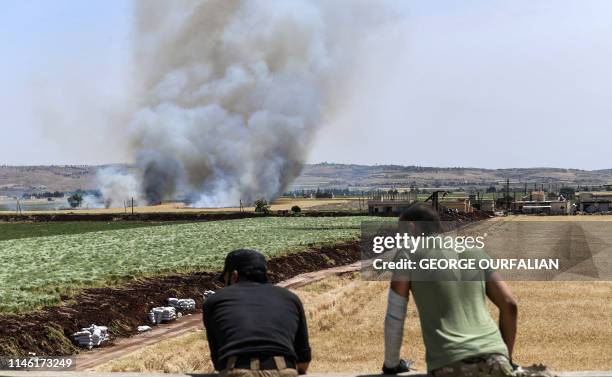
[328, 163]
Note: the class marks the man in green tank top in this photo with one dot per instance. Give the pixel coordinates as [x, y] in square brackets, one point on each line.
[461, 339]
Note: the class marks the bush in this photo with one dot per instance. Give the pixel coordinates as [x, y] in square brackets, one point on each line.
[261, 206]
[296, 209]
[75, 200]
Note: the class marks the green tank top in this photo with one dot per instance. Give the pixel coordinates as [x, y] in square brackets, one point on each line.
[455, 321]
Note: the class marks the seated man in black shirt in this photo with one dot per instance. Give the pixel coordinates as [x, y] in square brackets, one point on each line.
[255, 328]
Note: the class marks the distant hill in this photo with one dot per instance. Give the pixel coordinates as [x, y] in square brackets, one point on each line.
[327, 175]
[19, 179]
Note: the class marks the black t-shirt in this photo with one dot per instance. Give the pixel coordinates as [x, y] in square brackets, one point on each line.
[257, 320]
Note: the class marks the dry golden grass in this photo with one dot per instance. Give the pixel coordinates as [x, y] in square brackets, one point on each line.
[566, 325]
[556, 218]
[184, 354]
[280, 204]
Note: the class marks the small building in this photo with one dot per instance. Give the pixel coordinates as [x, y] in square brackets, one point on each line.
[390, 202]
[594, 202]
[487, 205]
[537, 196]
[537, 208]
[548, 207]
[388, 207]
[560, 207]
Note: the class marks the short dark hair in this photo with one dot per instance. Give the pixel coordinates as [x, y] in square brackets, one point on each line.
[256, 275]
[426, 219]
[250, 264]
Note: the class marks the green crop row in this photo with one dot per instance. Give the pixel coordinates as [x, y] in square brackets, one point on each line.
[35, 271]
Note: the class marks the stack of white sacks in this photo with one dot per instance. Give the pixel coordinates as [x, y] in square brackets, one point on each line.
[92, 336]
[183, 304]
[175, 308]
[162, 314]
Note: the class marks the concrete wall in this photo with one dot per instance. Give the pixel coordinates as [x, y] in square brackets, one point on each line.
[345, 374]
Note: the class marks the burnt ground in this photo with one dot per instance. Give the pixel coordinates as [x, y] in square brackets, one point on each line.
[122, 309]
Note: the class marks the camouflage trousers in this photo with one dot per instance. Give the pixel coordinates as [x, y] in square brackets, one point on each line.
[493, 365]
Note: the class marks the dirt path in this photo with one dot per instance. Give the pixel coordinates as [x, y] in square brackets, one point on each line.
[123, 308]
[90, 359]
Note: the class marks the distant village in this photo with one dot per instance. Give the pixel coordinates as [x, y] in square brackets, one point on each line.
[530, 199]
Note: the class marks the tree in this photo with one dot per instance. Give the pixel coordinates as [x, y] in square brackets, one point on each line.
[261, 206]
[491, 189]
[75, 200]
[567, 192]
[393, 193]
[501, 202]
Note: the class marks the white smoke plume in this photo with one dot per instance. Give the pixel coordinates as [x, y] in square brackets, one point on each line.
[117, 186]
[232, 94]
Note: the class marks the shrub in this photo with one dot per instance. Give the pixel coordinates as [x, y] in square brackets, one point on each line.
[75, 200]
[261, 206]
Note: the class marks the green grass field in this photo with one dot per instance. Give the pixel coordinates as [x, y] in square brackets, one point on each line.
[11, 231]
[42, 261]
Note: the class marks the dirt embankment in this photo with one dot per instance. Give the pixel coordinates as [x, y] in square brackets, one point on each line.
[445, 215]
[47, 331]
[454, 216]
[162, 216]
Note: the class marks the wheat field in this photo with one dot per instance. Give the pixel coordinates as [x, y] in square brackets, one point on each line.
[280, 204]
[565, 325]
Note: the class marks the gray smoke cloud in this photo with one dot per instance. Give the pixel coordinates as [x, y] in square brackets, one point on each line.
[232, 93]
[117, 186]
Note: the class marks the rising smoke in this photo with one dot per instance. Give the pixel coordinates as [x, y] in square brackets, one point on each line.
[231, 95]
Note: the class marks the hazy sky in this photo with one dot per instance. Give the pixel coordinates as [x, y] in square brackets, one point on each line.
[456, 83]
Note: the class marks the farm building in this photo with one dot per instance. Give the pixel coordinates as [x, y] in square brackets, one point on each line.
[391, 202]
[487, 205]
[388, 206]
[549, 207]
[594, 202]
[537, 196]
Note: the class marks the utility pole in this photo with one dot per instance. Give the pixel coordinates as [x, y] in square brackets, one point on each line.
[507, 195]
[364, 199]
[132, 205]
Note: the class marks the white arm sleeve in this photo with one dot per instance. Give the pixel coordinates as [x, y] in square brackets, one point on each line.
[394, 328]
